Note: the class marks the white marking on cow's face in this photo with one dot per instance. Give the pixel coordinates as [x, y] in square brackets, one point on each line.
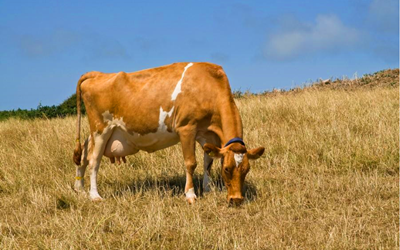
[238, 159]
[178, 89]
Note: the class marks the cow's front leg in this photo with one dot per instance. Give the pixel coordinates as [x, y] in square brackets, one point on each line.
[187, 137]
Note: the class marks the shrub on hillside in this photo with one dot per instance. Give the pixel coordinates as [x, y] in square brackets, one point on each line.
[68, 107]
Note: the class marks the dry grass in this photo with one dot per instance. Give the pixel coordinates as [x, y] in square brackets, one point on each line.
[330, 179]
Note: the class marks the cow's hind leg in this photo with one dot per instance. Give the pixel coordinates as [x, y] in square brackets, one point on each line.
[208, 161]
[187, 137]
[100, 142]
[80, 170]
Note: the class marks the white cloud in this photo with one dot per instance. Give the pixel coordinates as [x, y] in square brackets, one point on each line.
[297, 38]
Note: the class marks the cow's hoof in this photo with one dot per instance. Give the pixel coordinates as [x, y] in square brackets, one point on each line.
[79, 189]
[191, 200]
[97, 199]
[191, 196]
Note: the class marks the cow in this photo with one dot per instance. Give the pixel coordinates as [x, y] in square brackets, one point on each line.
[156, 108]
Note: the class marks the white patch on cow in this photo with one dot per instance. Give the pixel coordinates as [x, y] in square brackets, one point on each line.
[178, 89]
[238, 159]
[107, 116]
[123, 143]
[111, 121]
[160, 139]
[161, 120]
[190, 194]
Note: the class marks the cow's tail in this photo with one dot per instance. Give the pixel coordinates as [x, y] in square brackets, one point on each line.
[78, 148]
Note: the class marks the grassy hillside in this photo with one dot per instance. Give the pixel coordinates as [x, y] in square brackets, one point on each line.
[329, 179]
[383, 78]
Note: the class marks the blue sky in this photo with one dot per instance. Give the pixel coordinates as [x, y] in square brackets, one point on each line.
[46, 45]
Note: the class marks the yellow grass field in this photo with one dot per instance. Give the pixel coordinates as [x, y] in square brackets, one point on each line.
[329, 179]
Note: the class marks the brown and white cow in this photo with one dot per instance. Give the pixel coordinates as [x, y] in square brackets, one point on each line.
[156, 108]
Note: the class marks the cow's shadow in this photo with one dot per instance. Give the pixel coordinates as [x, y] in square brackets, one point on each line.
[175, 186]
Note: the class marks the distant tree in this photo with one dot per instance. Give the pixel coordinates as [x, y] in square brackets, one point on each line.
[68, 107]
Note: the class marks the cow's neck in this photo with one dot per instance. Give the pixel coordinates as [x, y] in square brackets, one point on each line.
[231, 124]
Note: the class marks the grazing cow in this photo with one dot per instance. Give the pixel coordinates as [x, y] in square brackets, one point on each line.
[156, 108]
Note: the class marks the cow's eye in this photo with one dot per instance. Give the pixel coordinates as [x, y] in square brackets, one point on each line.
[226, 170]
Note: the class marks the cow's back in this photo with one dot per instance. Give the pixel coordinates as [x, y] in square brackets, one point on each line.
[139, 97]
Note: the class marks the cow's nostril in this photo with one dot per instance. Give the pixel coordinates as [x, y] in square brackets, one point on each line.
[235, 201]
[238, 201]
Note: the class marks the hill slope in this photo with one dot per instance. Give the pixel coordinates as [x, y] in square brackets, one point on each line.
[384, 78]
[329, 179]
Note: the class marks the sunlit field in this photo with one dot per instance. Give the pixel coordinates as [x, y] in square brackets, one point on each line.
[329, 178]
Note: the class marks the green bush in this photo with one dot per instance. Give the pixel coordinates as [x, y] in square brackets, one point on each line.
[68, 107]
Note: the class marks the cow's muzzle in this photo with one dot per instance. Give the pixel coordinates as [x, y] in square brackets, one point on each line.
[235, 200]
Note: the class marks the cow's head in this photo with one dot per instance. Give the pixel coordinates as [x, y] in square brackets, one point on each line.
[235, 166]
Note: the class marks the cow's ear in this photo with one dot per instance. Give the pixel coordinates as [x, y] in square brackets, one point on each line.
[255, 153]
[212, 150]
